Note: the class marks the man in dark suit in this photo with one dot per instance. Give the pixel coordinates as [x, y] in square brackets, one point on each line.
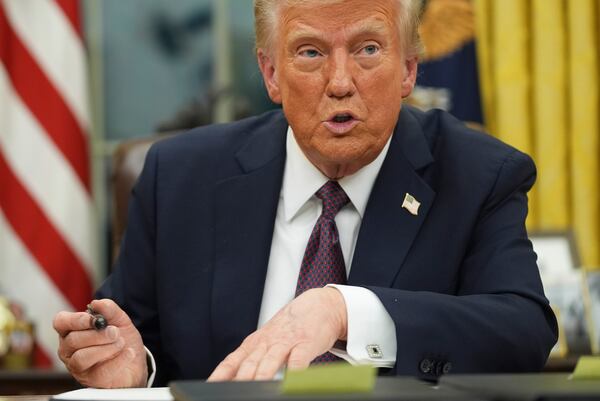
[417, 259]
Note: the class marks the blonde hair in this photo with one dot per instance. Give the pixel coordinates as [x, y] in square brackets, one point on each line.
[267, 11]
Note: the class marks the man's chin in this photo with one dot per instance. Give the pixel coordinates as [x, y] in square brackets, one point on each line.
[337, 166]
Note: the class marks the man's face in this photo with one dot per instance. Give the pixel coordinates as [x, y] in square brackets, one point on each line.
[340, 72]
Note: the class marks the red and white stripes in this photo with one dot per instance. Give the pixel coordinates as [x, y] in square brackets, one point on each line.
[47, 241]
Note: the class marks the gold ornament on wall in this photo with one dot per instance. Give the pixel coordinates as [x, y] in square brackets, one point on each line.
[446, 26]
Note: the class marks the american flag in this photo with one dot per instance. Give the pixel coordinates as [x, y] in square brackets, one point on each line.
[411, 204]
[47, 253]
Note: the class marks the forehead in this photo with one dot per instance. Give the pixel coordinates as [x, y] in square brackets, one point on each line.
[350, 17]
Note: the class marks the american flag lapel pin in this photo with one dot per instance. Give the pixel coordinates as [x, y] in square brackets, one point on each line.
[411, 204]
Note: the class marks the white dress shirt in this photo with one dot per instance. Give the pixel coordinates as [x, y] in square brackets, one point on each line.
[297, 213]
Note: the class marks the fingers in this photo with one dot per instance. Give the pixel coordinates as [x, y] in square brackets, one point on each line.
[273, 360]
[249, 365]
[262, 363]
[76, 340]
[228, 368]
[65, 322]
[84, 358]
[112, 373]
[112, 366]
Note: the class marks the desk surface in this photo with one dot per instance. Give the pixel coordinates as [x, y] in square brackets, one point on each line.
[386, 389]
[476, 386]
[35, 381]
[524, 386]
[24, 397]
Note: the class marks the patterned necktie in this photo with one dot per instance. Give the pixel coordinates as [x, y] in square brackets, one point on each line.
[323, 261]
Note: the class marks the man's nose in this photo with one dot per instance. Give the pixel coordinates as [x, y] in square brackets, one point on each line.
[341, 81]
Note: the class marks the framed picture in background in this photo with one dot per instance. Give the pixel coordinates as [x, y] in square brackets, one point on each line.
[591, 298]
[563, 282]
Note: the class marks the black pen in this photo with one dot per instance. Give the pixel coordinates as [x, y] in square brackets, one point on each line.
[98, 321]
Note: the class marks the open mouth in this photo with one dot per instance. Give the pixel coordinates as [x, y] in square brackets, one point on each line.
[341, 118]
[341, 122]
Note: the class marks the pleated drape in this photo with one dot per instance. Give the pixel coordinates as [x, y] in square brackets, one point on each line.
[538, 63]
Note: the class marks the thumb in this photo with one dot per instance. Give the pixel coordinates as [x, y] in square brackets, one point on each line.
[113, 314]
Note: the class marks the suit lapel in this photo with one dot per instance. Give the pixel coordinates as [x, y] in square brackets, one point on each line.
[388, 230]
[246, 207]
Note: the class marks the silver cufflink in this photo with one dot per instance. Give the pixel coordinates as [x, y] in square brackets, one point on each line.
[374, 351]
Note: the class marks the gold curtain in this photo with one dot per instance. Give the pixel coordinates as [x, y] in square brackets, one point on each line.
[538, 63]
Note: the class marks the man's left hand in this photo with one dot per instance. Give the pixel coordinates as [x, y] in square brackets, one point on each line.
[302, 330]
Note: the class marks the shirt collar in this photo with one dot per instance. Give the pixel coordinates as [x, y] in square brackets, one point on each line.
[302, 179]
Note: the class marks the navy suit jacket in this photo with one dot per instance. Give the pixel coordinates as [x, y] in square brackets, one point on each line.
[459, 280]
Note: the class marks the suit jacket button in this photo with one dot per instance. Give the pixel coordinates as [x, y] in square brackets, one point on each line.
[425, 366]
[439, 367]
[447, 368]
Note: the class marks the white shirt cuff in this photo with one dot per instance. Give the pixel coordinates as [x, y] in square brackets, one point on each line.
[364, 344]
[150, 358]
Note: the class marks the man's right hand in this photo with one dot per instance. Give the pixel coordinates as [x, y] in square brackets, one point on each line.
[109, 358]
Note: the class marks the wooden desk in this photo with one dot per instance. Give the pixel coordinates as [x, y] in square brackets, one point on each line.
[24, 398]
[35, 382]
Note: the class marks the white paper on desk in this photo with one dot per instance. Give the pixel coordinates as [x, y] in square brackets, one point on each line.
[117, 394]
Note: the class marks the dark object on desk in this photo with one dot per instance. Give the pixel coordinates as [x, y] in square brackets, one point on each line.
[524, 387]
[386, 388]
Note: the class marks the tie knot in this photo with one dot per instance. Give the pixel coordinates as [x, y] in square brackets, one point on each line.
[334, 198]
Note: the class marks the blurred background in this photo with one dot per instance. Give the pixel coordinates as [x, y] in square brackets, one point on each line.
[86, 86]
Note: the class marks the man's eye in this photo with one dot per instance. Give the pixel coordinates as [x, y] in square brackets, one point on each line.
[370, 49]
[310, 53]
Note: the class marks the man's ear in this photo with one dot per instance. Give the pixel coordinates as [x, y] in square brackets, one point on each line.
[267, 69]
[410, 76]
